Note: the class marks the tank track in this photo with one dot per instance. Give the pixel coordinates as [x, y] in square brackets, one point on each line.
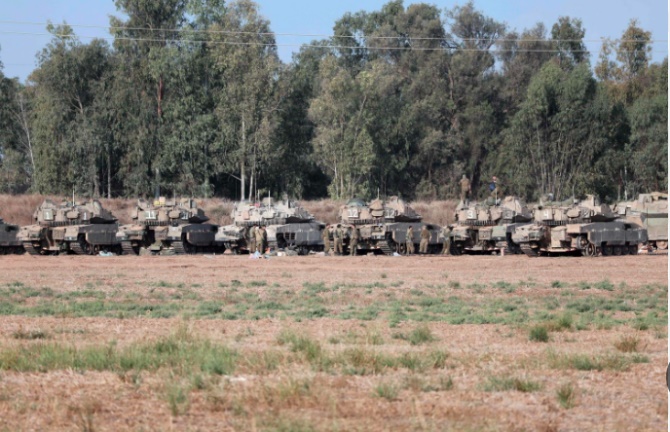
[28, 246]
[178, 248]
[127, 248]
[385, 247]
[529, 251]
[76, 248]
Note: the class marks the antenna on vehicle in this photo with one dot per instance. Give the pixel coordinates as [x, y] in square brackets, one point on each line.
[73, 188]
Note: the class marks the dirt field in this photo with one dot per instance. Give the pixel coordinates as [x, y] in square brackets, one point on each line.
[333, 343]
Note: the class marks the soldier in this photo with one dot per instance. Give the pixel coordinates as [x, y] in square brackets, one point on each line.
[409, 241]
[465, 188]
[353, 241]
[446, 240]
[259, 239]
[264, 239]
[325, 235]
[494, 188]
[337, 237]
[425, 238]
[252, 239]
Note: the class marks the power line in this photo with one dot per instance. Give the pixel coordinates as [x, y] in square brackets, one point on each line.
[237, 32]
[264, 44]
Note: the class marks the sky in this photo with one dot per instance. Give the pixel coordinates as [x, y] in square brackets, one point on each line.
[23, 34]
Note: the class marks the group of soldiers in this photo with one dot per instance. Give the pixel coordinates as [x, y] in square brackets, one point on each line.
[338, 239]
[340, 232]
[466, 188]
[257, 239]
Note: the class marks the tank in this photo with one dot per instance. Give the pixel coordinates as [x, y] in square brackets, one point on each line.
[487, 227]
[9, 241]
[70, 227]
[165, 227]
[383, 224]
[288, 226]
[585, 228]
[649, 211]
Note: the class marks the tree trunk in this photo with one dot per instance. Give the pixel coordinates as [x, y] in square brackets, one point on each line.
[109, 174]
[242, 167]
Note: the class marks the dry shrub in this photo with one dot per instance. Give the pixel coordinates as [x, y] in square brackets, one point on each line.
[325, 210]
[436, 212]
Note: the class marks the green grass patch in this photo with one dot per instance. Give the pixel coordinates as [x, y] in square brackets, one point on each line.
[494, 384]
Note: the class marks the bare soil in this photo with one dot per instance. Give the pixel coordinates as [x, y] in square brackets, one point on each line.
[296, 396]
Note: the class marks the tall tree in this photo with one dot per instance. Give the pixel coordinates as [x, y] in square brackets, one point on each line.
[245, 56]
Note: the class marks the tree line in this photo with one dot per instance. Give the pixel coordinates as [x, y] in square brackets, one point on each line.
[191, 96]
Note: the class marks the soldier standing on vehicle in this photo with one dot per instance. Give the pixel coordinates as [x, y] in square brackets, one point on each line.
[446, 240]
[425, 238]
[353, 241]
[252, 239]
[494, 187]
[409, 241]
[337, 237]
[465, 188]
[325, 236]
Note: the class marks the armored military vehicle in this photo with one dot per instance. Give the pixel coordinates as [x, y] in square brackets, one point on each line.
[382, 226]
[9, 242]
[168, 227]
[487, 227]
[80, 228]
[585, 228]
[288, 226]
[649, 211]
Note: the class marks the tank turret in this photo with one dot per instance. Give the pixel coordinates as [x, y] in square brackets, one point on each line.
[487, 227]
[649, 211]
[585, 227]
[382, 225]
[169, 227]
[285, 223]
[81, 228]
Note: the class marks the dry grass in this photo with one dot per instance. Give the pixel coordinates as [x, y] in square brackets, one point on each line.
[18, 209]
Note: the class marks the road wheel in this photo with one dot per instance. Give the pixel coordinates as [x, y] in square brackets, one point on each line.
[632, 250]
[616, 250]
[590, 250]
[662, 244]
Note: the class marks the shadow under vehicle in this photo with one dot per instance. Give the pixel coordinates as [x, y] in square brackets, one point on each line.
[288, 226]
[9, 241]
[649, 211]
[585, 228]
[383, 224]
[80, 228]
[168, 227]
[487, 227]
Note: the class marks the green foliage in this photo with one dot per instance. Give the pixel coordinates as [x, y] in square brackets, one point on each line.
[191, 96]
[566, 395]
[494, 383]
[538, 333]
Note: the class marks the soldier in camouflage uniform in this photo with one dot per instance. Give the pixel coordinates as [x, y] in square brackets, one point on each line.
[465, 188]
[252, 239]
[337, 237]
[325, 236]
[259, 239]
[446, 239]
[353, 241]
[264, 239]
[425, 238]
[409, 241]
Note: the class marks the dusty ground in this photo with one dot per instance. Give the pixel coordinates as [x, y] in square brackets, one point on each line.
[342, 306]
